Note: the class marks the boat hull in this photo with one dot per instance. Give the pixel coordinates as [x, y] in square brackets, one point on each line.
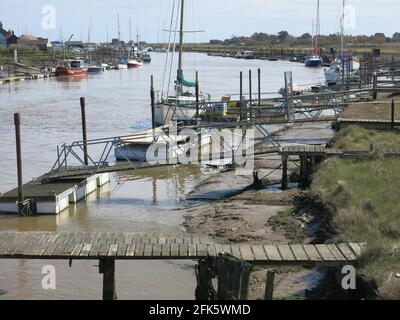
[63, 71]
[313, 63]
[94, 69]
[164, 113]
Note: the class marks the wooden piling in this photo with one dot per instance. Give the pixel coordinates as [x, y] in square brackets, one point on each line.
[285, 180]
[203, 280]
[107, 268]
[17, 123]
[250, 96]
[375, 85]
[152, 97]
[197, 94]
[241, 95]
[84, 133]
[392, 116]
[259, 86]
[269, 286]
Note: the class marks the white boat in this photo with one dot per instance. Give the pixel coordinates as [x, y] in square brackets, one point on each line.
[173, 107]
[134, 63]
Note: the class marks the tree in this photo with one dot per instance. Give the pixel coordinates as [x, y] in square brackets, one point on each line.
[282, 35]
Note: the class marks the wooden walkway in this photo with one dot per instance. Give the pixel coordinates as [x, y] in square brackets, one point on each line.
[139, 246]
[321, 151]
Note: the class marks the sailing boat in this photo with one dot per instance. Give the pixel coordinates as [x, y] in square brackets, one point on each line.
[92, 68]
[315, 59]
[183, 104]
[121, 62]
[339, 68]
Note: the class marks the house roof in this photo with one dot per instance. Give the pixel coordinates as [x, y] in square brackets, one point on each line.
[28, 37]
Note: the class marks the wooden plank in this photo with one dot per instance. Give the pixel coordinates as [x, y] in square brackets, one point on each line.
[236, 251]
[86, 250]
[246, 252]
[139, 250]
[166, 250]
[77, 250]
[324, 252]
[174, 250]
[128, 237]
[312, 252]
[183, 250]
[113, 250]
[130, 250]
[148, 250]
[336, 252]
[299, 253]
[227, 248]
[202, 250]
[95, 250]
[286, 253]
[157, 249]
[195, 238]
[356, 249]
[211, 250]
[192, 250]
[259, 253]
[162, 240]
[122, 249]
[272, 253]
[105, 247]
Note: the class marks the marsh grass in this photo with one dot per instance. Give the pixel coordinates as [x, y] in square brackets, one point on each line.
[363, 198]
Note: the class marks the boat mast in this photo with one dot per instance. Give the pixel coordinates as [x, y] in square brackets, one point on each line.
[181, 40]
[318, 27]
[342, 27]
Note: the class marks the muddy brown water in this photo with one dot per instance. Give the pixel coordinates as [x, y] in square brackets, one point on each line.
[117, 104]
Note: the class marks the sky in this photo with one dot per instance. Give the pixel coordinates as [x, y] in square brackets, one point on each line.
[219, 19]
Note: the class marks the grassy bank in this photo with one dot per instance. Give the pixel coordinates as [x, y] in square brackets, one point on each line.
[362, 197]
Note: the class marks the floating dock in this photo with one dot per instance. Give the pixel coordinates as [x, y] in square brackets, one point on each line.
[54, 197]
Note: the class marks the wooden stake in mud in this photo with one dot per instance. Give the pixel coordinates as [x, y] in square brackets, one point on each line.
[375, 85]
[250, 96]
[84, 133]
[284, 172]
[107, 268]
[197, 94]
[241, 95]
[259, 86]
[392, 116]
[152, 97]
[269, 286]
[17, 123]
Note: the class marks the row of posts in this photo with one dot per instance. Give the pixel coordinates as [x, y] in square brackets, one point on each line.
[197, 95]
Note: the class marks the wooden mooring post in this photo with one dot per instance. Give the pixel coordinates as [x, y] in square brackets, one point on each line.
[259, 86]
[84, 133]
[285, 180]
[269, 285]
[17, 123]
[392, 116]
[250, 96]
[152, 98]
[375, 86]
[197, 89]
[241, 95]
[107, 268]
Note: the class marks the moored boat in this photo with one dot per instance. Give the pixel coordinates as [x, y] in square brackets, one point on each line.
[134, 63]
[71, 68]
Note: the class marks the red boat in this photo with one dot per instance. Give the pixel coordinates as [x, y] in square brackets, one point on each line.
[71, 68]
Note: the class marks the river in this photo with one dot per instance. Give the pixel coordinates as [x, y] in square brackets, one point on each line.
[117, 103]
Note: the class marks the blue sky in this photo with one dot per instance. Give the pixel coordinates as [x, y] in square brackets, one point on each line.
[219, 18]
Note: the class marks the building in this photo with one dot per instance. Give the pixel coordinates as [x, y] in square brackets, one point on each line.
[396, 37]
[75, 44]
[379, 37]
[3, 40]
[30, 40]
[214, 41]
[9, 35]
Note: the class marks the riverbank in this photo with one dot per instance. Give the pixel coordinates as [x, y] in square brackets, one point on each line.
[269, 215]
[360, 204]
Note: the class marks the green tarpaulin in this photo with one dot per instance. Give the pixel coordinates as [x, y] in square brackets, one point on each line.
[184, 82]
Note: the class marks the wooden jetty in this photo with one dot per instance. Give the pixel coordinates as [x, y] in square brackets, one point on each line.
[380, 124]
[311, 155]
[107, 247]
[53, 197]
